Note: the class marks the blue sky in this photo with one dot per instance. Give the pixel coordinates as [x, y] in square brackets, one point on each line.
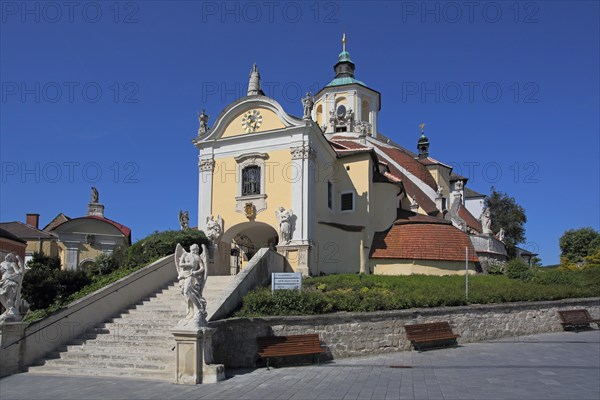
[105, 94]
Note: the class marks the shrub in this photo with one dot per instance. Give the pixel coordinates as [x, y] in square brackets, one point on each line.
[40, 288]
[495, 268]
[105, 264]
[42, 261]
[160, 244]
[517, 269]
[43, 286]
[70, 282]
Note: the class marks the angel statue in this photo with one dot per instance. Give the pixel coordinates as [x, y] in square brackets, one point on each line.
[12, 270]
[286, 220]
[95, 196]
[184, 220]
[501, 235]
[191, 273]
[486, 221]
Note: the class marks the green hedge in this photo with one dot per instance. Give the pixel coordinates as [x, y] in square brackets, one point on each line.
[160, 244]
[373, 293]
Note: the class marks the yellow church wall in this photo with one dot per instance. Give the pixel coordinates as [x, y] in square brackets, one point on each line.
[384, 213]
[278, 180]
[427, 267]
[87, 252]
[270, 121]
[48, 247]
[441, 175]
[335, 250]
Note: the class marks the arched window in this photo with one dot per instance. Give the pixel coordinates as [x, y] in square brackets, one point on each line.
[365, 111]
[251, 180]
[320, 115]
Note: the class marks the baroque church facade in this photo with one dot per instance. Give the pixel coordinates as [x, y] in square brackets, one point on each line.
[330, 192]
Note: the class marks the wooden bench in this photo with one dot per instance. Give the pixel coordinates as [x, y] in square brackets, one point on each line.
[576, 319]
[430, 335]
[292, 345]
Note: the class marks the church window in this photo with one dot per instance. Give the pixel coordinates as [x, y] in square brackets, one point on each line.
[365, 110]
[251, 180]
[347, 201]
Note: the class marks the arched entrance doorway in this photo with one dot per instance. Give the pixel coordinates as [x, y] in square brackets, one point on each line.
[243, 240]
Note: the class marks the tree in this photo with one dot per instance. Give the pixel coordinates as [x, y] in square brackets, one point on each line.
[575, 244]
[508, 215]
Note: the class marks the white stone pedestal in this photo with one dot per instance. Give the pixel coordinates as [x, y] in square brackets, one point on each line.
[297, 255]
[194, 357]
[11, 343]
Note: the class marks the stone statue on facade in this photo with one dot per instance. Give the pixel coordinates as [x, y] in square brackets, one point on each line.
[286, 224]
[191, 274]
[349, 118]
[364, 127]
[486, 221]
[214, 228]
[12, 270]
[95, 196]
[332, 119]
[184, 220]
[203, 119]
[254, 82]
[440, 192]
[308, 102]
[459, 185]
[501, 235]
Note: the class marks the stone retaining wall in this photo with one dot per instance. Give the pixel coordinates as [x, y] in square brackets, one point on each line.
[357, 334]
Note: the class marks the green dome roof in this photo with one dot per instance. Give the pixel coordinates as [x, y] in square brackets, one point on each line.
[344, 56]
[346, 80]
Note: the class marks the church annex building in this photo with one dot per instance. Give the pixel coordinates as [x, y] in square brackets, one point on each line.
[331, 193]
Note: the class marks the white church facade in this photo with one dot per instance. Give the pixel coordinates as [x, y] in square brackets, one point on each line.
[329, 191]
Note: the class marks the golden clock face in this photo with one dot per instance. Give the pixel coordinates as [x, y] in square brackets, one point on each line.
[251, 121]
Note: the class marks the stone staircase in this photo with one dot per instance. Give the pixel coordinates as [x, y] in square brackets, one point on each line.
[136, 343]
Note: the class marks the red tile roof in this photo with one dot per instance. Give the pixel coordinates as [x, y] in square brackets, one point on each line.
[469, 219]
[409, 217]
[423, 241]
[412, 190]
[349, 144]
[432, 161]
[410, 164]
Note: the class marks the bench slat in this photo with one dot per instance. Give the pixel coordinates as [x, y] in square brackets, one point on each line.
[292, 345]
[433, 333]
[576, 318]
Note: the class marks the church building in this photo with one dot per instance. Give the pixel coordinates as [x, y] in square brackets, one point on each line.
[330, 192]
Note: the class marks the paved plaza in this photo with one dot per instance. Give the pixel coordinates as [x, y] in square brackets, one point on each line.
[563, 365]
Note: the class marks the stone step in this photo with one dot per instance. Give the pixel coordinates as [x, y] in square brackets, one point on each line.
[125, 341]
[135, 343]
[136, 319]
[138, 373]
[155, 338]
[140, 348]
[124, 364]
[131, 331]
[166, 358]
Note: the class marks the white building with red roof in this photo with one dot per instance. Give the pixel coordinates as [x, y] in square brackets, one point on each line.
[76, 241]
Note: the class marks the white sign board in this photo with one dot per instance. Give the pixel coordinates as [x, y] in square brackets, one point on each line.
[286, 281]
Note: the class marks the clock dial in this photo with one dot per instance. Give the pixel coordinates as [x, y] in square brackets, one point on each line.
[251, 120]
